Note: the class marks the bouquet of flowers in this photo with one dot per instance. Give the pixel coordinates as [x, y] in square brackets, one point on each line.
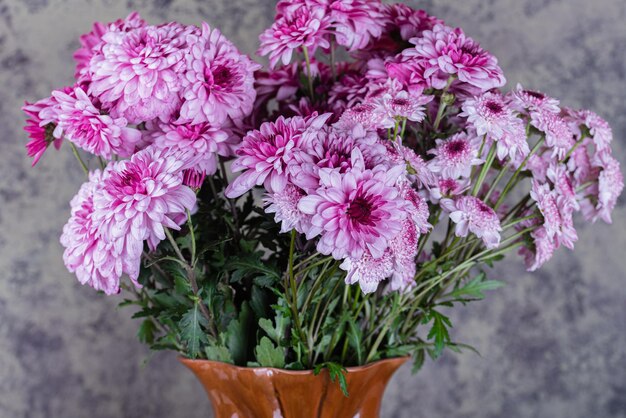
[325, 211]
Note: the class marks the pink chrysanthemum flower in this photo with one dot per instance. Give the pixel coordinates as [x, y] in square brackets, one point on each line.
[350, 89]
[367, 115]
[265, 154]
[541, 251]
[355, 212]
[204, 140]
[604, 194]
[599, 129]
[142, 196]
[368, 271]
[524, 100]
[284, 206]
[331, 148]
[408, 21]
[137, 74]
[409, 72]
[96, 261]
[41, 132]
[449, 52]
[92, 130]
[557, 214]
[401, 104]
[281, 83]
[355, 22]
[558, 135]
[404, 250]
[470, 214]
[306, 27]
[417, 169]
[488, 114]
[513, 143]
[455, 156]
[563, 186]
[448, 188]
[91, 43]
[417, 208]
[218, 82]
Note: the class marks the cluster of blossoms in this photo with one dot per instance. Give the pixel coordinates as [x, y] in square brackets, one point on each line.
[158, 106]
[364, 157]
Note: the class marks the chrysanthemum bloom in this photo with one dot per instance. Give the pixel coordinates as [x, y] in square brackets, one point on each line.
[610, 184]
[355, 22]
[333, 148]
[541, 250]
[203, 140]
[137, 74]
[417, 169]
[416, 207]
[488, 114]
[449, 52]
[41, 132]
[218, 82]
[408, 21]
[350, 89]
[556, 213]
[404, 250]
[408, 71]
[470, 214]
[455, 156]
[368, 271]
[91, 42]
[401, 104]
[563, 186]
[356, 211]
[368, 115]
[281, 83]
[91, 129]
[264, 154]
[524, 101]
[448, 188]
[284, 206]
[599, 129]
[142, 196]
[306, 27]
[514, 143]
[558, 135]
[96, 261]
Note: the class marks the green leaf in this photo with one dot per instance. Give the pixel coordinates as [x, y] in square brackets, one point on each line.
[268, 355]
[191, 330]
[251, 265]
[337, 374]
[219, 353]
[237, 335]
[439, 331]
[146, 331]
[355, 339]
[474, 288]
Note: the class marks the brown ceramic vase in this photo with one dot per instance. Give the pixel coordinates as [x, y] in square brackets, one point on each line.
[242, 392]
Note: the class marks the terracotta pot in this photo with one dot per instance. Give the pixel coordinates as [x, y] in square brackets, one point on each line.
[240, 392]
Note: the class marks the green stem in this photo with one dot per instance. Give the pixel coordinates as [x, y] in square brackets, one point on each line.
[483, 172]
[80, 160]
[193, 238]
[308, 71]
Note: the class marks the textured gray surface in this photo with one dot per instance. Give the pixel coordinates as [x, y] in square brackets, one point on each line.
[553, 344]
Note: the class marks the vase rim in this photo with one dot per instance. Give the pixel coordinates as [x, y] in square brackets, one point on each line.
[187, 361]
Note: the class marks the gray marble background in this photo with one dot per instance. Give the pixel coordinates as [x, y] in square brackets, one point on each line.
[553, 344]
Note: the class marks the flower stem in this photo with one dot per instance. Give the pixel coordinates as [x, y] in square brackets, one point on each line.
[307, 60]
[80, 160]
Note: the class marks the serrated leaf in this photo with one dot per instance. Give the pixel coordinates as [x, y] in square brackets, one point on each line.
[439, 331]
[336, 372]
[146, 331]
[268, 355]
[251, 265]
[474, 288]
[237, 335]
[191, 331]
[219, 353]
[355, 339]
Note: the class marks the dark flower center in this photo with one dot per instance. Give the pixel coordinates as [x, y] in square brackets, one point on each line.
[494, 107]
[400, 102]
[222, 76]
[360, 210]
[456, 147]
[535, 94]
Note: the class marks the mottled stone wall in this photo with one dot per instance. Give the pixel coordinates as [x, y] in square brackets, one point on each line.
[553, 343]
